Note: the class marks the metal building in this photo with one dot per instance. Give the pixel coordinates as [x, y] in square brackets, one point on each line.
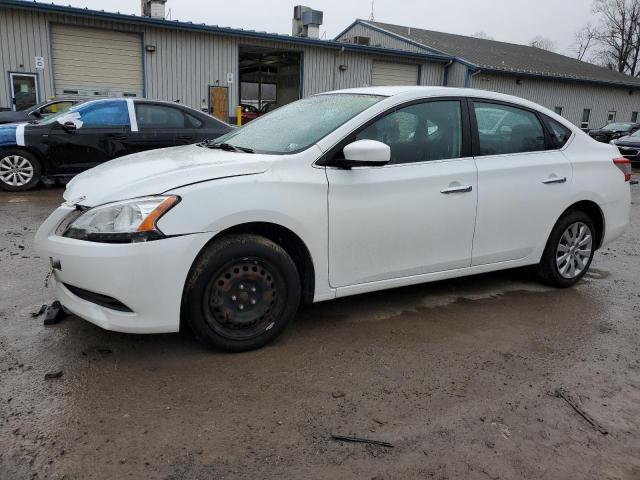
[587, 95]
[50, 50]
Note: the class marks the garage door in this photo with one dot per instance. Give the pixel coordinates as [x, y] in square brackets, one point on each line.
[96, 63]
[387, 73]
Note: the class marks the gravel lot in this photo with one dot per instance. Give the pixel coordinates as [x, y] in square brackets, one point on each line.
[459, 376]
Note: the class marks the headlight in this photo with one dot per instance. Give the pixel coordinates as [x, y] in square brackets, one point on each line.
[122, 222]
[613, 142]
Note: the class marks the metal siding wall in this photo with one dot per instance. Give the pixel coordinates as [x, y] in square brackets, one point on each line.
[23, 36]
[380, 39]
[457, 73]
[432, 74]
[573, 97]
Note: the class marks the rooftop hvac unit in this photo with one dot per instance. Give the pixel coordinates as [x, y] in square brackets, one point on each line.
[306, 22]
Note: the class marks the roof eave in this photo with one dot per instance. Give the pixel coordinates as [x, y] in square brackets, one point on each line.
[562, 78]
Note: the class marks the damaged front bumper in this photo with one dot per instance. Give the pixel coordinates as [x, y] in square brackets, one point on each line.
[94, 280]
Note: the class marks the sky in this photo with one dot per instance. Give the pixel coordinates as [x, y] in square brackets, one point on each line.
[516, 21]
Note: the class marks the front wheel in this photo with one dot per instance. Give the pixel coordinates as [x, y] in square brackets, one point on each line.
[19, 170]
[569, 250]
[241, 293]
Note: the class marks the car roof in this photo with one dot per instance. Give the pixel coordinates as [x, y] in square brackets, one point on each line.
[408, 93]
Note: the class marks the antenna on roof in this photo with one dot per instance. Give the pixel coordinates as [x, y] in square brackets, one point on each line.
[372, 17]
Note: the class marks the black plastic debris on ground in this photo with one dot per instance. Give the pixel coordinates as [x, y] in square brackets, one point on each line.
[54, 314]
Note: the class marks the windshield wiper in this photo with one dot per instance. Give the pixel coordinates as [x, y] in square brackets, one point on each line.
[226, 147]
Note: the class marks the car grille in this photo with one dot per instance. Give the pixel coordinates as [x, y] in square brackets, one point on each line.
[629, 152]
[600, 138]
[98, 299]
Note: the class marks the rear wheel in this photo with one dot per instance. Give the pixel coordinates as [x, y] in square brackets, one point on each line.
[19, 170]
[241, 293]
[569, 250]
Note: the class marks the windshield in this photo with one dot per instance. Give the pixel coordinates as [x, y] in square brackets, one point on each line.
[300, 124]
[635, 134]
[52, 118]
[617, 127]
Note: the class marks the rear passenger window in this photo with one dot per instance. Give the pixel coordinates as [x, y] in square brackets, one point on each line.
[503, 129]
[418, 133]
[158, 116]
[559, 133]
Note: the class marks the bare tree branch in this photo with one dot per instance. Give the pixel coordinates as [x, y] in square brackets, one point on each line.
[544, 43]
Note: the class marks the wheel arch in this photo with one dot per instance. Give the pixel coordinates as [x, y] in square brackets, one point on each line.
[289, 241]
[593, 210]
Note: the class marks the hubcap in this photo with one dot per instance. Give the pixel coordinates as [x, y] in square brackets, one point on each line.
[242, 298]
[16, 170]
[574, 250]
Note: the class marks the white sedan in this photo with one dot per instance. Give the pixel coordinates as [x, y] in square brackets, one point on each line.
[338, 194]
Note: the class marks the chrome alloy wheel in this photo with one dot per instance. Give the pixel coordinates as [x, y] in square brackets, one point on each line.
[574, 250]
[16, 170]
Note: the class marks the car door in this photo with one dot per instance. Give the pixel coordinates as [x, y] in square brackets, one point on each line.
[88, 135]
[413, 216]
[159, 126]
[523, 182]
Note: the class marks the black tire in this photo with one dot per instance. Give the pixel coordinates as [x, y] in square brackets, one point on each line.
[548, 269]
[29, 163]
[241, 293]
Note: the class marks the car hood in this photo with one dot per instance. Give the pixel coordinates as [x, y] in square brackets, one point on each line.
[12, 117]
[157, 171]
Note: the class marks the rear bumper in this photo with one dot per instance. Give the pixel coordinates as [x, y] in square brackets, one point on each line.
[147, 277]
[617, 217]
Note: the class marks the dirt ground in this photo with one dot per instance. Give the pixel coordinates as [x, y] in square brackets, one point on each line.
[459, 376]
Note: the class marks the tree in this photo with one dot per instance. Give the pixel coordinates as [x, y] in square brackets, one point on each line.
[543, 43]
[583, 41]
[614, 40]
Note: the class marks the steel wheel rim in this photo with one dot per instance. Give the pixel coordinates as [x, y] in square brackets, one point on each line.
[16, 170]
[243, 298]
[574, 250]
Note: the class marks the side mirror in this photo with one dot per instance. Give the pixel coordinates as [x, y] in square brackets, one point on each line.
[36, 113]
[366, 153]
[69, 126]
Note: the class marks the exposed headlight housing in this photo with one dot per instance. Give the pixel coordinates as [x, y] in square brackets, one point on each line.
[123, 222]
[613, 142]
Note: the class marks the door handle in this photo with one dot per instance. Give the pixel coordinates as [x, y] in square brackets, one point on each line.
[185, 137]
[458, 189]
[119, 137]
[551, 180]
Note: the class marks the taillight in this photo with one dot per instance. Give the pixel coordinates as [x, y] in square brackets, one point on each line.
[624, 164]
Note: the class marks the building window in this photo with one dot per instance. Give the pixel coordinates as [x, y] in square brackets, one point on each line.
[559, 111]
[586, 115]
[611, 117]
[634, 117]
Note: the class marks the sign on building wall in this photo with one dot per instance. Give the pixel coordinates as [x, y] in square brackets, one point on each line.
[39, 62]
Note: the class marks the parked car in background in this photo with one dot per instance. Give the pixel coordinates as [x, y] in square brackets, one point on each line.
[629, 147]
[337, 194]
[39, 111]
[249, 112]
[94, 132]
[613, 131]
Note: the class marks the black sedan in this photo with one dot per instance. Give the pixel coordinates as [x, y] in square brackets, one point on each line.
[41, 110]
[629, 147]
[94, 132]
[613, 131]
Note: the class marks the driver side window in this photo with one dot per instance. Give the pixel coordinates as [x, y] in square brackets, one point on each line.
[419, 133]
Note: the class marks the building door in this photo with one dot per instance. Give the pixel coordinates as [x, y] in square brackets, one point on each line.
[24, 90]
[219, 101]
[388, 73]
[92, 62]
